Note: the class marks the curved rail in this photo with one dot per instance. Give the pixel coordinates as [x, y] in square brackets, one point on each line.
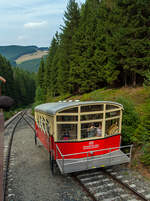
[19, 115]
[9, 150]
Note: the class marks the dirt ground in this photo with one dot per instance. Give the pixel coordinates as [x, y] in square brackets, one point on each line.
[31, 178]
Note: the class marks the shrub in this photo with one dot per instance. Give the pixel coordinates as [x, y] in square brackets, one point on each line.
[145, 157]
[130, 120]
[142, 133]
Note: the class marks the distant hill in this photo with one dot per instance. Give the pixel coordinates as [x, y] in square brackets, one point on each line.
[18, 54]
[32, 56]
[31, 65]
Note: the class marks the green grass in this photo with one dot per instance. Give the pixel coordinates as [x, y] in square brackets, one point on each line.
[138, 96]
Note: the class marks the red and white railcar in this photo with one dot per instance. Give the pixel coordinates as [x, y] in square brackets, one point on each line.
[81, 135]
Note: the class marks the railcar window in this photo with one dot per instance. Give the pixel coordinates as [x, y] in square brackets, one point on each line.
[112, 127]
[47, 127]
[111, 107]
[91, 130]
[71, 110]
[92, 108]
[37, 121]
[40, 123]
[44, 125]
[67, 118]
[91, 117]
[67, 131]
[112, 114]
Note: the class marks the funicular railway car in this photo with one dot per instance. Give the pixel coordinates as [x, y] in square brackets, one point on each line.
[81, 135]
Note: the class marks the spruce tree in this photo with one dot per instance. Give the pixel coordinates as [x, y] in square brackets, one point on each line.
[129, 39]
[84, 68]
[51, 67]
[40, 82]
[71, 22]
[7, 73]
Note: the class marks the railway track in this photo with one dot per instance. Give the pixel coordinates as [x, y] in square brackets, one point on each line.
[100, 184]
[109, 185]
[10, 127]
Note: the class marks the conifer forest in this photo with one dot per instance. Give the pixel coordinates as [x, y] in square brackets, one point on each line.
[20, 85]
[102, 43]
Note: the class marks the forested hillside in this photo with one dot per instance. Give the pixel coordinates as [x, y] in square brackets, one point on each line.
[13, 52]
[103, 43]
[31, 65]
[20, 85]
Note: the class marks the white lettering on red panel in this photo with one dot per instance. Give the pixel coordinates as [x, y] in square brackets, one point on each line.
[91, 146]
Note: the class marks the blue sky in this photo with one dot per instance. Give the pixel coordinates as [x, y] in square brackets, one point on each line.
[30, 22]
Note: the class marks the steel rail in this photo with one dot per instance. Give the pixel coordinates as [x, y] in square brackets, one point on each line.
[128, 187]
[91, 195]
[29, 123]
[85, 189]
[32, 118]
[8, 122]
[105, 173]
[9, 153]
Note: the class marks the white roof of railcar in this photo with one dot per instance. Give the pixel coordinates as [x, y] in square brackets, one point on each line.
[53, 108]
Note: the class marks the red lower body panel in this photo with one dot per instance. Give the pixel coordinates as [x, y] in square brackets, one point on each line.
[93, 147]
[79, 149]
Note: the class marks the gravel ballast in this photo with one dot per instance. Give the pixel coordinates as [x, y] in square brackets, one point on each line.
[30, 178]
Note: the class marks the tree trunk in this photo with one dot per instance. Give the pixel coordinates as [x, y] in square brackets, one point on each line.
[134, 79]
[125, 78]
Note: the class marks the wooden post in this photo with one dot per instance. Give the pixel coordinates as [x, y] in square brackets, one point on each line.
[1, 153]
[1, 80]
[1, 145]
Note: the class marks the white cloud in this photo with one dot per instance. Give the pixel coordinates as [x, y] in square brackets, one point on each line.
[23, 19]
[21, 37]
[35, 24]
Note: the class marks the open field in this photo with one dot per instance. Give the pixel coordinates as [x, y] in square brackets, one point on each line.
[36, 55]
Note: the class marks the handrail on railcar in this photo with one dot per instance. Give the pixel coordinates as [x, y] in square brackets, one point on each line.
[93, 151]
[89, 158]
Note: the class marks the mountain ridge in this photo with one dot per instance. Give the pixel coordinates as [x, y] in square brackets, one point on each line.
[14, 52]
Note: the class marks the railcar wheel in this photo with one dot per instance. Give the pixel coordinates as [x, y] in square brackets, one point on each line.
[35, 139]
[52, 162]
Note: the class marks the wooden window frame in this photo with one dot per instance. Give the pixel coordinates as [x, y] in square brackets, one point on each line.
[79, 122]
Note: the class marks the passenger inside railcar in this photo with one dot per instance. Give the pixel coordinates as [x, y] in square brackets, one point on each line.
[66, 136]
[112, 127]
[99, 130]
[89, 130]
[92, 130]
[67, 131]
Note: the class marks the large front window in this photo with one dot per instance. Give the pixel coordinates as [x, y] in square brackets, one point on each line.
[92, 108]
[90, 130]
[67, 131]
[112, 127]
[88, 121]
[67, 118]
[91, 117]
